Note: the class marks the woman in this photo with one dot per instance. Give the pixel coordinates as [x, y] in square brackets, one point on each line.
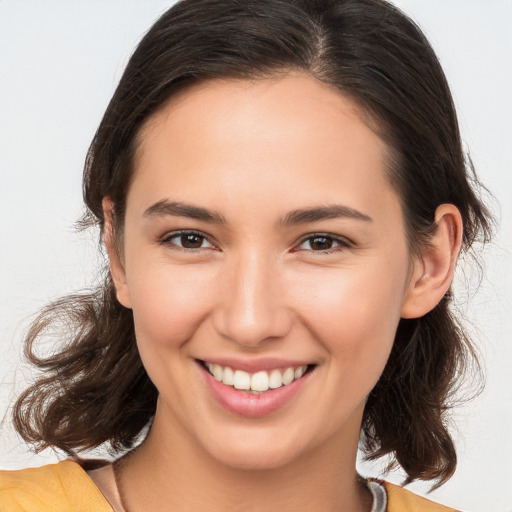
[282, 193]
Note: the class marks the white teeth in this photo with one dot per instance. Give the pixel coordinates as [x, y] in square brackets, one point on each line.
[259, 382]
[217, 372]
[299, 372]
[275, 380]
[242, 380]
[288, 376]
[228, 377]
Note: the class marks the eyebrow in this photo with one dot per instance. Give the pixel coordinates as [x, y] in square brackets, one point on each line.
[178, 209]
[301, 216]
[318, 214]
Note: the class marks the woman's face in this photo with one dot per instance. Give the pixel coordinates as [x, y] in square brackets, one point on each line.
[262, 239]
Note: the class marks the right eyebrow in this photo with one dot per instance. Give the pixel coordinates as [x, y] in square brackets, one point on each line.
[178, 209]
[320, 213]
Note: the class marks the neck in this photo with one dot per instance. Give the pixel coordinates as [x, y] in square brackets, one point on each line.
[169, 472]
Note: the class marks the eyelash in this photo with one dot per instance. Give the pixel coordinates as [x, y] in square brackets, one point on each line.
[342, 243]
[167, 239]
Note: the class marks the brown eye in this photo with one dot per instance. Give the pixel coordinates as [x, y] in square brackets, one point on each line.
[323, 243]
[189, 240]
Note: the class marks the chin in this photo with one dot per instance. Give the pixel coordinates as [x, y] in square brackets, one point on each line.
[260, 454]
[253, 460]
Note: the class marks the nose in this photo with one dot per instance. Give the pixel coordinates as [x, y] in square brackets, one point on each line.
[251, 307]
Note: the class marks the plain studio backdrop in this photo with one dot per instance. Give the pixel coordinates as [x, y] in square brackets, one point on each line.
[60, 62]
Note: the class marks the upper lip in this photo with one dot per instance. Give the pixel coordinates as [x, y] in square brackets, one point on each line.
[256, 365]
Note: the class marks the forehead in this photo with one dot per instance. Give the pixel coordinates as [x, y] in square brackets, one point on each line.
[291, 134]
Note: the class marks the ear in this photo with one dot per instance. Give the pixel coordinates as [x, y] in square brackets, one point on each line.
[117, 270]
[433, 271]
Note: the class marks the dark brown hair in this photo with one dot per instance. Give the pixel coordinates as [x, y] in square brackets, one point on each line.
[95, 389]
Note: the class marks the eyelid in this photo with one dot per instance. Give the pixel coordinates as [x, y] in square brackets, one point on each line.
[344, 243]
[167, 237]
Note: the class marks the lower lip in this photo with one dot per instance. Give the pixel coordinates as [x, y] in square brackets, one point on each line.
[253, 405]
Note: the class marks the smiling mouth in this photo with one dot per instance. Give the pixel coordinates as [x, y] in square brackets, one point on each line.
[258, 382]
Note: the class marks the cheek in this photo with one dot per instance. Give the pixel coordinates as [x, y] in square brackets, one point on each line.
[355, 314]
[169, 303]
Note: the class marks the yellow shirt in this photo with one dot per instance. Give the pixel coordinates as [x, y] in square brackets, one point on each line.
[66, 487]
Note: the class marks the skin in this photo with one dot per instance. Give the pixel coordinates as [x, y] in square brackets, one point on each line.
[253, 152]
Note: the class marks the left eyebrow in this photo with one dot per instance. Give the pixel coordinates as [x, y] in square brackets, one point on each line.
[178, 209]
[317, 214]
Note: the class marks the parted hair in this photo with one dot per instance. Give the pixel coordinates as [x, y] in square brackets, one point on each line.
[94, 389]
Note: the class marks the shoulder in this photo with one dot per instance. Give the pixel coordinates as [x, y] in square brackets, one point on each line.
[400, 500]
[64, 486]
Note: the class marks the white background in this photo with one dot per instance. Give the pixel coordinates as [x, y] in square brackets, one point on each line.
[59, 64]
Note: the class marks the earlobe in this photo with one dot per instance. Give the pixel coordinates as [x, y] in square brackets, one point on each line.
[433, 271]
[117, 270]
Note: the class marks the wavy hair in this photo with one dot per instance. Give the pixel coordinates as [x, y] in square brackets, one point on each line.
[95, 390]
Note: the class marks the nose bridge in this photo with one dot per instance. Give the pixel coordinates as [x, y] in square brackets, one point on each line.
[251, 308]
